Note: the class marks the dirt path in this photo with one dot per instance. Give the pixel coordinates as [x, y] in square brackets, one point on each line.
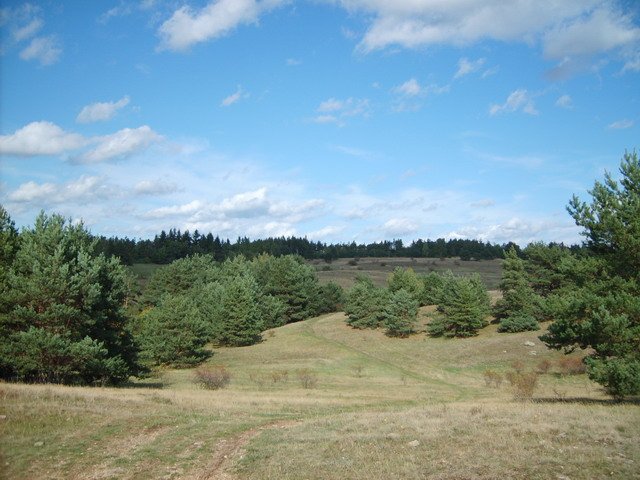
[229, 450]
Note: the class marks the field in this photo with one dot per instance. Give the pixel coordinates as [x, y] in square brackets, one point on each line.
[380, 408]
[344, 271]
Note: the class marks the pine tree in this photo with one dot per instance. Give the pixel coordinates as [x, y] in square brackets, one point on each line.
[406, 279]
[465, 306]
[241, 324]
[60, 295]
[598, 308]
[364, 305]
[400, 314]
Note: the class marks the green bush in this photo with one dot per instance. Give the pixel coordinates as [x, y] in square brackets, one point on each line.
[400, 314]
[364, 305]
[522, 323]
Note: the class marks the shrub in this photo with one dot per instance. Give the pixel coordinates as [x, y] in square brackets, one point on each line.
[543, 366]
[364, 305]
[571, 366]
[524, 384]
[400, 314]
[280, 376]
[352, 262]
[492, 379]
[619, 377]
[307, 378]
[520, 323]
[212, 378]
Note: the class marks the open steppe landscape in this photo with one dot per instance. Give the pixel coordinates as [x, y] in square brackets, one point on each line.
[377, 407]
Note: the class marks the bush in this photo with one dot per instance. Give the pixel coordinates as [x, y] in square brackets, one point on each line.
[571, 366]
[400, 314]
[619, 377]
[492, 379]
[521, 323]
[212, 378]
[543, 366]
[524, 384]
[364, 305]
[307, 378]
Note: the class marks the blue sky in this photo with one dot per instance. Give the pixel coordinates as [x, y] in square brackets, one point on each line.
[340, 120]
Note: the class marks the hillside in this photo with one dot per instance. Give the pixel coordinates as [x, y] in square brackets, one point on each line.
[381, 408]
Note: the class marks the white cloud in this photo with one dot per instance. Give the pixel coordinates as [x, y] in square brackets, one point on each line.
[155, 187]
[84, 189]
[563, 28]
[337, 111]
[326, 232]
[101, 111]
[602, 30]
[121, 144]
[28, 31]
[246, 205]
[45, 50]
[187, 27]
[234, 97]
[40, 138]
[271, 229]
[564, 101]
[518, 100]
[410, 88]
[293, 62]
[621, 124]
[466, 66]
[399, 227]
[175, 210]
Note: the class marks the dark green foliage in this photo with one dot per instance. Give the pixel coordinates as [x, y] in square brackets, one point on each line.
[520, 323]
[241, 323]
[60, 295]
[180, 277]
[433, 284]
[38, 355]
[173, 333]
[518, 298]
[407, 280]
[598, 304]
[400, 314]
[290, 280]
[365, 304]
[465, 306]
[330, 298]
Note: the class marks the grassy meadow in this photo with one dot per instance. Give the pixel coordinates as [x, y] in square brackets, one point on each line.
[344, 270]
[377, 408]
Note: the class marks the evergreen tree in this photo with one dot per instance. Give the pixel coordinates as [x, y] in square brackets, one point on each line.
[406, 279]
[241, 323]
[518, 301]
[598, 308]
[465, 306]
[173, 333]
[400, 314]
[62, 316]
[364, 304]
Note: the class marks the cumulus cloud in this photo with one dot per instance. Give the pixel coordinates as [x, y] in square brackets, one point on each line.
[45, 50]
[518, 100]
[120, 145]
[410, 88]
[174, 210]
[409, 93]
[187, 27]
[399, 227]
[101, 111]
[246, 205]
[326, 232]
[234, 97]
[337, 111]
[85, 189]
[466, 66]
[563, 28]
[521, 231]
[564, 101]
[40, 138]
[621, 124]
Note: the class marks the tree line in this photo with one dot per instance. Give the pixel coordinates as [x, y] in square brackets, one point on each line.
[166, 247]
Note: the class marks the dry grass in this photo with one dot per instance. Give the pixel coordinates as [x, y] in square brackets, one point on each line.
[373, 395]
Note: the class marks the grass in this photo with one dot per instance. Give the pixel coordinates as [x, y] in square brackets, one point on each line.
[344, 271]
[374, 395]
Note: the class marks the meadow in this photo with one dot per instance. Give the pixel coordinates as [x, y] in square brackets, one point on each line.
[319, 400]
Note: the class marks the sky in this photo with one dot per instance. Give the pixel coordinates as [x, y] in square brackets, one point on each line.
[338, 120]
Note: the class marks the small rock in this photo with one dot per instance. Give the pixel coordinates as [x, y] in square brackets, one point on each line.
[38, 444]
[3, 417]
[413, 443]
[529, 344]
[533, 352]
